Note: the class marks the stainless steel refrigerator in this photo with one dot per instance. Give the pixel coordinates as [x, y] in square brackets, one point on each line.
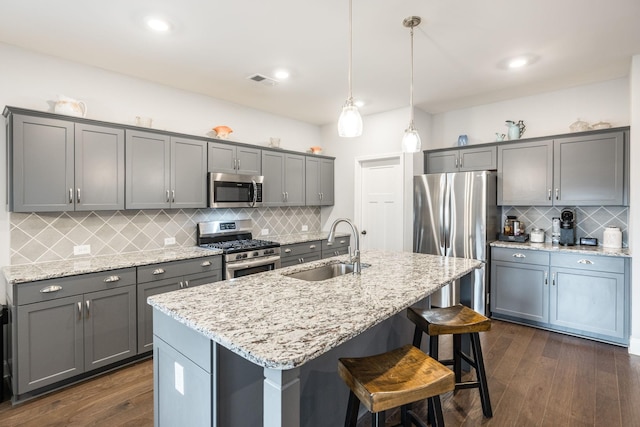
[455, 214]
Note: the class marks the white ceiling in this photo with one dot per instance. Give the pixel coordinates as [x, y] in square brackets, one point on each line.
[215, 45]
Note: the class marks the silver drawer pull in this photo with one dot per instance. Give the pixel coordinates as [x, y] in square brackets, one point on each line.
[49, 289]
[312, 247]
[286, 251]
[586, 261]
[519, 255]
[206, 264]
[158, 271]
[342, 242]
[111, 279]
[329, 243]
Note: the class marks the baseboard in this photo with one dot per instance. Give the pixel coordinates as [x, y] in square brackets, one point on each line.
[634, 345]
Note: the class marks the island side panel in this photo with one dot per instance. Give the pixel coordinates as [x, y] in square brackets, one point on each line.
[281, 398]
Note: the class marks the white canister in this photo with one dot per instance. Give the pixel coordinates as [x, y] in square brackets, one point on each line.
[612, 238]
[537, 235]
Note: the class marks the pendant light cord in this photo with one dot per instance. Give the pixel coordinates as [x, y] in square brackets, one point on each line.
[411, 88]
[350, 98]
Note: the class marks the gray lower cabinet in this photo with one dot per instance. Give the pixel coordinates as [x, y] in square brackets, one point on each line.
[284, 177]
[164, 172]
[69, 326]
[584, 295]
[319, 181]
[299, 253]
[340, 246]
[59, 165]
[236, 159]
[166, 277]
[461, 160]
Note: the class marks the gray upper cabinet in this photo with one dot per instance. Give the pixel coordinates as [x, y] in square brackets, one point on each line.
[284, 179]
[461, 160]
[319, 181]
[236, 159]
[587, 170]
[58, 165]
[525, 174]
[164, 171]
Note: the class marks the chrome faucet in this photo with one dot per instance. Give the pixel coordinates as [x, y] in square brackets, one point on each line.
[355, 257]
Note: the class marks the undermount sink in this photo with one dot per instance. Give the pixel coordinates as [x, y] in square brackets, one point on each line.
[323, 272]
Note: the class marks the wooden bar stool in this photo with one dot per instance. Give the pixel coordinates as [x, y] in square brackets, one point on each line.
[456, 320]
[396, 378]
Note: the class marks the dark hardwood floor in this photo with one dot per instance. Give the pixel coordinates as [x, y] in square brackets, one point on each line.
[536, 378]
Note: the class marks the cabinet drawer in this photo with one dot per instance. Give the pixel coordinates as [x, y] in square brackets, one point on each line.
[165, 270]
[522, 256]
[299, 249]
[47, 290]
[588, 262]
[338, 243]
[288, 262]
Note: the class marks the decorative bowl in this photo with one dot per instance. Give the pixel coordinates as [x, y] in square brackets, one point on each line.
[222, 132]
[316, 150]
[601, 125]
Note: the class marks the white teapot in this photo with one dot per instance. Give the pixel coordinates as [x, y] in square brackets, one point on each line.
[70, 106]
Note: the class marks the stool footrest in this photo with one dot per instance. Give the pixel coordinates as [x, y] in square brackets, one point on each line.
[467, 384]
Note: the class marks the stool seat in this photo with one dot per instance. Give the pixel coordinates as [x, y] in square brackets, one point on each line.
[458, 319]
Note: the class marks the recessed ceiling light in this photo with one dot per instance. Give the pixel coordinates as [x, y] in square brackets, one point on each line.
[281, 74]
[518, 62]
[158, 24]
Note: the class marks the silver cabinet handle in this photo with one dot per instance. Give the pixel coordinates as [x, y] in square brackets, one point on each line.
[88, 304]
[342, 242]
[546, 278]
[557, 193]
[71, 195]
[238, 166]
[158, 271]
[205, 263]
[49, 289]
[586, 261]
[79, 310]
[111, 279]
[549, 194]
[286, 251]
[173, 196]
[456, 161]
[460, 163]
[553, 279]
[186, 283]
[329, 243]
[78, 195]
[181, 285]
[284, 198]
[312, 246]
[519, 255]
[301, 260]
[167, 196]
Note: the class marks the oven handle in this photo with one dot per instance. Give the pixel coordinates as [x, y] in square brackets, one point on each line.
[252, 263]
[255, 193]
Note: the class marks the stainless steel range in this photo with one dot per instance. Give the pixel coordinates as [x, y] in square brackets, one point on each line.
[243, 255]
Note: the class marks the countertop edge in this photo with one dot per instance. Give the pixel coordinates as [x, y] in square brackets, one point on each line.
[577, 249]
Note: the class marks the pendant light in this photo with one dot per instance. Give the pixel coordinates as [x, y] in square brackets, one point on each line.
[411, 140]
[350, 122]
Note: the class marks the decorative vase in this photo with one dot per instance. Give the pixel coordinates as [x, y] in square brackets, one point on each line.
[463, 140]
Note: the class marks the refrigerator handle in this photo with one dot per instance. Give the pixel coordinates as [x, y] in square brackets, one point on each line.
[445, 234]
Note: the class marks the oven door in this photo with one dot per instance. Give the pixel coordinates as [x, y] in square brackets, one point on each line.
[234, 191]
[256, 265]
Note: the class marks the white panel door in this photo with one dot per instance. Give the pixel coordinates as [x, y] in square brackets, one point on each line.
[381, 204]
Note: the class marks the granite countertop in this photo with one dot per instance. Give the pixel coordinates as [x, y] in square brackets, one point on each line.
[48, 270]
[280, 322]
[288, 239]
[577, 249]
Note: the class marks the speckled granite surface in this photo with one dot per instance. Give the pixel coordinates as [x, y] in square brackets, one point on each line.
[577, 249]
[49, 270]
[280, 322]
[288, 239]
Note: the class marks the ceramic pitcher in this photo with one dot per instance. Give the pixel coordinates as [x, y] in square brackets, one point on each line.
[515, 130]
[70, 106]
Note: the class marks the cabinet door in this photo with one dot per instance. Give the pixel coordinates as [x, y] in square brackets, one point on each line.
[222, 158]
[109, 326]
[525, 174]
[188, 173]
[478, 159]
[441, 161]
[273, 172]
[520, 291]
[327, 182]
[50, 342]
[589, 170]
[145, 312]
[148, 170]
[294, 182]
[99, 168]
[42, 164]
[312, 181]
[249, 161]
[590, 302]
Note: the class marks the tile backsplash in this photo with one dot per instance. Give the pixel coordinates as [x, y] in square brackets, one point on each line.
[591, 220]
[51, 236]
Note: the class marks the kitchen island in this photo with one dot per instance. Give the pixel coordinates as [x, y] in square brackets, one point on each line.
[263, 349]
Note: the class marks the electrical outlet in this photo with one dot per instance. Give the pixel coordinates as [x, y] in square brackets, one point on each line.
[264, 231]
[305, 228]
[169, 241]
[82, 250]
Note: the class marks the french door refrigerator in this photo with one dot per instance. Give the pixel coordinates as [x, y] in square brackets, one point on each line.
[455, 214]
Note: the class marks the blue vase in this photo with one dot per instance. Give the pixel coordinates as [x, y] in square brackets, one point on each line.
[462, 140]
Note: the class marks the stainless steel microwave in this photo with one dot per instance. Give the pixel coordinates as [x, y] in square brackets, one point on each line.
[234, 191]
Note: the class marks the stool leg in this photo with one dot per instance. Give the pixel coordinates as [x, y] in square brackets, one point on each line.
[481, 374]
[435, 417]
[433, 346]
[417, 337]
[352, 411]
[457, 360]
[378, 419]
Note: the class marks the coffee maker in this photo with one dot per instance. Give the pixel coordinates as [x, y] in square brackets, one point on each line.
[568, 227]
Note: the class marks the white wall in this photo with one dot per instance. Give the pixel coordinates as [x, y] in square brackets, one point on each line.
[31, 80]
[634, 211]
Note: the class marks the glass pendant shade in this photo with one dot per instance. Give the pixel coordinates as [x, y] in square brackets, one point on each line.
[350, 122]
[411, 142]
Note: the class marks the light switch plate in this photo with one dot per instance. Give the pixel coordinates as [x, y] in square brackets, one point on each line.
[82, 250]
[265, 231]
[305, 228]
[169, 241]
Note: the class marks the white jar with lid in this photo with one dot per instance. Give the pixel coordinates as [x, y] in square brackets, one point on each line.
[537, 235]
[612, 238]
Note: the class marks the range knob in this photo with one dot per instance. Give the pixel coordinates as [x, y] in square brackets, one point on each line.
[239, 256]
[244, 255]
[256, 253]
